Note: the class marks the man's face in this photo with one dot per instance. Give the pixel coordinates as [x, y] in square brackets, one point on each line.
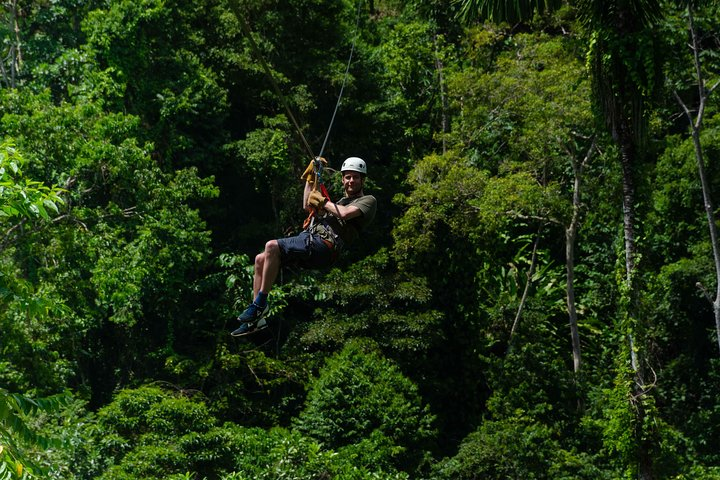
[352, 183]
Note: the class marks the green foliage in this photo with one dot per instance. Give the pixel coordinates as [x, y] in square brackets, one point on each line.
[680, 299]
[678, 196]
[442, 188]
[285, 454]
[149, 432]
[412, 55]
[155, 433]
[24, 203]
[21, 197]
[473, 213]
[129, 246]
[452, 196]
[517, 447]
[372, 300]
[360, 395]
[680, 70]
[266, 151]
[164, 77]
[628, 440]
[17, 435]
[177, 163]
[532, 418]
[504, 11]
[167, 242]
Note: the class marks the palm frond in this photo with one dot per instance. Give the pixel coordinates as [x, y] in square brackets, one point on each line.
[511, 11]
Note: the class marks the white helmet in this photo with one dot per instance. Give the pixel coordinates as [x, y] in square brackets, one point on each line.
[355, 164]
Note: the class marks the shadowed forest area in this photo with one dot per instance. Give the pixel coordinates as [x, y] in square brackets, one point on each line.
[538, 296]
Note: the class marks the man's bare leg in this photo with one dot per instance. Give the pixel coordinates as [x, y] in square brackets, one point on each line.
[257, 275]
[270, 266]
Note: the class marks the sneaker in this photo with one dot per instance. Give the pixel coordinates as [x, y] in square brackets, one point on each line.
[243, 329]
[249, 327]
[253, 313]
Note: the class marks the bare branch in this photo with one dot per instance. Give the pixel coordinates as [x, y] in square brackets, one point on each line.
[710, 90]
[526, 291]
[704, 291]
[538, 218]
[688, 114]
[5, 240]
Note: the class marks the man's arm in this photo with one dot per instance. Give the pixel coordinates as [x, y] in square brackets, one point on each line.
[343, 212]
[306, 195]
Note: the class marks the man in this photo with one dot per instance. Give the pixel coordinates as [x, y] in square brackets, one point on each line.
[334, 225]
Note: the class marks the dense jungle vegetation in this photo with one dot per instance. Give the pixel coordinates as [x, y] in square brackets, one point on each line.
[538, 297]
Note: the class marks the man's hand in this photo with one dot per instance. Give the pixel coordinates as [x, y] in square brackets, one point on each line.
[316, 200]
[309, 174]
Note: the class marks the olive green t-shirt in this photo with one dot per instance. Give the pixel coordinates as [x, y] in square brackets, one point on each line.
[349, 230]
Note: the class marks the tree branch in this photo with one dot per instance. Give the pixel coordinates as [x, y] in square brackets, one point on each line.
[526, 291]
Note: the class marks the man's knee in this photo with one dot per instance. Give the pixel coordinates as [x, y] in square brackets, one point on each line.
[272, 248]
[272, 251]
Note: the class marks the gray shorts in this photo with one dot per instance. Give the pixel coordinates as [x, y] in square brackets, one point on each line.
[306, 251]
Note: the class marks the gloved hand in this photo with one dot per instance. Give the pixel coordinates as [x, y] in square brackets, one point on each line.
[309, 174]
[316, 200]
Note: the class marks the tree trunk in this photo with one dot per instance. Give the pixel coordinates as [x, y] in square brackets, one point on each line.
[627, 154]
[443, 96]
[695, 129]
[570, 234]
[13, 57]
[628, 192]
[570, 238]
[16, 56]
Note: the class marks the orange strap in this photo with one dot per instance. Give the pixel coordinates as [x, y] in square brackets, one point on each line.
[313, 212]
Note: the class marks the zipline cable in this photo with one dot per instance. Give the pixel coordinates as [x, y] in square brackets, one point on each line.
[255, 47]
[342, 87]
[266, 68]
